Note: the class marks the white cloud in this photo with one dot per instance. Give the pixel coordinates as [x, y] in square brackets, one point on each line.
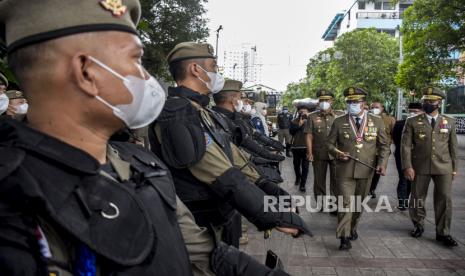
[287, 33]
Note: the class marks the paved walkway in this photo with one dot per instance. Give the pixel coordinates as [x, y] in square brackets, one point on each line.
[384, 246]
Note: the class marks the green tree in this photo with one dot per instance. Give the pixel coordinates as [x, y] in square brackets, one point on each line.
[364, 58]
[166, 23]
[432, 31]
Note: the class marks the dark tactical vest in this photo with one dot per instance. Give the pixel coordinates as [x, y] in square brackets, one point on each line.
[130, 224]
[207, 208]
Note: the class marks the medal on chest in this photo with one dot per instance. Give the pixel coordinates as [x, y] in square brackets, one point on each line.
[360, 132]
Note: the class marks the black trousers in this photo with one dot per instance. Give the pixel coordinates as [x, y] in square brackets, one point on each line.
[404, 186]
[300, 165]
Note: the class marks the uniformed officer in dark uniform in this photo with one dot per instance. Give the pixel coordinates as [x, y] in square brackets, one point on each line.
[284, 122]
[228, 102]
[429, 152]
[403, 186]
[193, 140]
[71, 202]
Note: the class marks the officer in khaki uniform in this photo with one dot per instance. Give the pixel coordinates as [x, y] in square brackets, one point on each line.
[377, 108]
[18, 106]
[428, 150]
[317, 130]
[362, 136]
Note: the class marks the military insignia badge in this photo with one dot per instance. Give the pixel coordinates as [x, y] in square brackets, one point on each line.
[430, 90]
[351, 91]
[421, 136]
[115, 6]
[323, 92]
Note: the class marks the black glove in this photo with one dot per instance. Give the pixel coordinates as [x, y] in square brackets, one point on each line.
[233, 187]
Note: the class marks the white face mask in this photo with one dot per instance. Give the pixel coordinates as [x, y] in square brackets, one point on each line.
[148, 99]
[324, 106]
[376, 111]
[264, 112]
[239, 106]
[21, 109]
[354, 108]
[216, 82]
[4, 101]
[253, 111]
[247, 108]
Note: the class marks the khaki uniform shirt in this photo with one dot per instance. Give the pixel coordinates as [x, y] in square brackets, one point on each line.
[389, 123]
[372, 149]
[427, 150]
[318, 126]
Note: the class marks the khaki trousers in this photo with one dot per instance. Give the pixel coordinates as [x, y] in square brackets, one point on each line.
[347, 187]
[441, 197]
[320, 168]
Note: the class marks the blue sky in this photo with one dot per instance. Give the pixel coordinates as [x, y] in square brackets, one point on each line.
[287, 33]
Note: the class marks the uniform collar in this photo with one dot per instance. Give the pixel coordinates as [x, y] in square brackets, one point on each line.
[224, 111]
[19, 135]
[190, 94]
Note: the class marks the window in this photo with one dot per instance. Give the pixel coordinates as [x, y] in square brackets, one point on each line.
[378, 5]
[361, 5]
[389, 6]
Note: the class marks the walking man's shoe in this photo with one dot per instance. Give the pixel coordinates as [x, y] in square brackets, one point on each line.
[446, 240]
[345, 244]
[417, 232]
[353, 236]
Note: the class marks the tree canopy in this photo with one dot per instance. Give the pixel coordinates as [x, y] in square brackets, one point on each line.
[364, 58]
[166, 23]
[434, 36]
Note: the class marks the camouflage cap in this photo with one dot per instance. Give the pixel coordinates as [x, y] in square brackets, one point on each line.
[432, 93]
[25, 22]
[324, 94]
[354, 94]
[232, 86]
[14, 94]
[3, 80]
[190, 50]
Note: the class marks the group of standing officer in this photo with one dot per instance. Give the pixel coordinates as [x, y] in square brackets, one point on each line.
[355, 146]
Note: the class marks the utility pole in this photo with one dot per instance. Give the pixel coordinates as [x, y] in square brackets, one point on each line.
[217, 38]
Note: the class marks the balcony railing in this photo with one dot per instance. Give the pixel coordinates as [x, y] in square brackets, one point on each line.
[379, 15]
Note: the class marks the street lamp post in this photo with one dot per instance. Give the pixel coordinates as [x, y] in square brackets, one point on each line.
[217, 38]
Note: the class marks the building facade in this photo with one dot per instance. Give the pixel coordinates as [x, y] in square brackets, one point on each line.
[383, 15]
[243, 64]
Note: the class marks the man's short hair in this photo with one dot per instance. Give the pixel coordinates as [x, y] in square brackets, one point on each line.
[178, 69]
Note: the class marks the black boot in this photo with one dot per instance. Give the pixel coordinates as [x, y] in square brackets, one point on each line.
[447, 240]
[297, 181]
[345, 244]
[302, 186]
[288, 150]
[353, 236]
[417, 231]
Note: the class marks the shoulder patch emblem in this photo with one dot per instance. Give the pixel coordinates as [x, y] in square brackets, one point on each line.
[208, 139]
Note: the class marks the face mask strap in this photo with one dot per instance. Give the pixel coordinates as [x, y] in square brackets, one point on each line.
[107, 104]
[104, 66]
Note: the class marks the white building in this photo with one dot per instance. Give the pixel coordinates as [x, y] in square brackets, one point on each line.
[243, 63]
[380, 14]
